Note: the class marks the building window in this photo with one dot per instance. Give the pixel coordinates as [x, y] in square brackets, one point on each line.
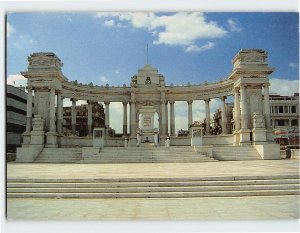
[294, 122]
[280, 122]
[293, 109]
[280, 109]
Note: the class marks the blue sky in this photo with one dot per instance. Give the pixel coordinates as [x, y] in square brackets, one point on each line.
[185, 47]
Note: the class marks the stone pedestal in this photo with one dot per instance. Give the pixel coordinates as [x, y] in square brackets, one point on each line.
[51, 139]
[259, 136]
[236, 138]
[26, 138]
[245, 137]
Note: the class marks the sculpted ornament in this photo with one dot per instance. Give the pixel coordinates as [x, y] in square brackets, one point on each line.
[258, 120]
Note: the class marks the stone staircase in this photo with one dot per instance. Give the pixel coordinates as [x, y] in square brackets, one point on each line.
[232, 153]
[59, 155]
[154, 187]
[147, 154]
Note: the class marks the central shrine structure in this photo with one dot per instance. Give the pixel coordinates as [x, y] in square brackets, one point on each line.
[146, 96]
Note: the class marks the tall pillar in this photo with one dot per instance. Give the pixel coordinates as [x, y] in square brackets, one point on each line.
[132, 115]
[163, 118]
[167, 118]
[106, 116]
[224, 119]
[73, 122]
[52, 126]
[172, 116]
[29, 110]
[267, 105]
[237, 110]
[59, 112]
[244, 111]
[90, 117]
[190, 116]
[125, 118]
[207, 111]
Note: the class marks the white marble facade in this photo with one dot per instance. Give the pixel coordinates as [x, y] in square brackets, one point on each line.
[147, 95]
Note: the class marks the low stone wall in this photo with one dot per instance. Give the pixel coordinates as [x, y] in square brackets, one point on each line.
[184, 141]
[76, 142]
[114, 142]
[268, 151]
[226, 139]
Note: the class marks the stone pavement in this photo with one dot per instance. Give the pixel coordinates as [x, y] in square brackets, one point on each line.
[208, 208]
[154, 170]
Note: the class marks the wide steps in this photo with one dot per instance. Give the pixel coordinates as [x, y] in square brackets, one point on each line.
[59, 155]
[153, 188]
[233, 153]
[147, 155]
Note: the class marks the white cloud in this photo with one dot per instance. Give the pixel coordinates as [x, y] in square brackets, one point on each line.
[180, 29]
[196, 48]
[233, 25]
[104, 80]
[16, 80]
[109, 23]
[293, 65]
[10, 29]
[23, 42]
[283, 86]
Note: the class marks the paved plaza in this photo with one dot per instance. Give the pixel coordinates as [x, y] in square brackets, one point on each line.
[208, 208]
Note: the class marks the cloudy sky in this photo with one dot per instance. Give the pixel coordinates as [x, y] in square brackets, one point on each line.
[185, 47]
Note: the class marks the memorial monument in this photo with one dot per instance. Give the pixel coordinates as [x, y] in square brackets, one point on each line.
[146, 96]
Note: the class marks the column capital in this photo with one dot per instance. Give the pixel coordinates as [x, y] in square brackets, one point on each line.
[266, 85]
[172, 101]
[132, 101]
[124, 102]
[74, 99]
[106, 102]
[243, 85]
[189, 101]
[163, 101]
[90, 101]
[207, 100]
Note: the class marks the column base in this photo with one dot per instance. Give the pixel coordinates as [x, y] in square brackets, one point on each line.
[26, 138]
[245, 137]
[51, 139]
[259, 136]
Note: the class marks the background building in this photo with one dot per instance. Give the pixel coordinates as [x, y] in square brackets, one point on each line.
[98, 117]
[16, 100]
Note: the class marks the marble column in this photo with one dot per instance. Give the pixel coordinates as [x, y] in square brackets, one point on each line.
[163, 118]
[52, 126]
[167, 118]
[59, 113]
[244, 111]
[29, 110]
[224, 119]
[172, 116]
[190, 116]
[267, 105]
[237, 110]
[132, 115]
[90, 118]
[106, 116]
[132, 118]
[125, 118]
[73, 122]
[207, 112]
